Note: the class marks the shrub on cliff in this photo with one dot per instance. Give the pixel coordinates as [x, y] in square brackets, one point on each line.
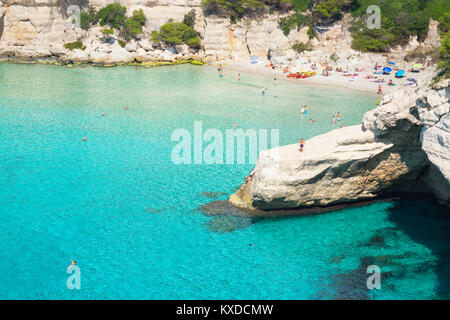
[112, 15]
[133, 26]
[74, 45]
[189, 18]
[235, 9]
[88, 18]
[295, 20]
[444, 53]
[300, 47]
[176, 33]
[328, 10]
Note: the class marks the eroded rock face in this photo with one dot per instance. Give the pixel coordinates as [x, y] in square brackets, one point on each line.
[403, 145]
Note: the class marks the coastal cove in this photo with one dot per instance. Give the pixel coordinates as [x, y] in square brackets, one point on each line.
[130, 217]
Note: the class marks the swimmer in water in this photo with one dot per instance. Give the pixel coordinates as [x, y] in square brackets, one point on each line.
[84, 139]
[235, 125]
[339, 117]
[334, 121]
[239, 76]
[263, 91]
[73, 262]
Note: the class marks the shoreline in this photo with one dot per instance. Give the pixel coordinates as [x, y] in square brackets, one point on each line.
[334, 80]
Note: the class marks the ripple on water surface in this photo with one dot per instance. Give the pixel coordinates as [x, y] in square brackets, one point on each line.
[127, 214]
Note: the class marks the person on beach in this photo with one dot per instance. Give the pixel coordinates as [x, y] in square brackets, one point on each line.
[302, 143]
[239, 76]
[302, 110]
[275, 81]
[380, 91]
[390, 82]
[306, 110]
[339, 117]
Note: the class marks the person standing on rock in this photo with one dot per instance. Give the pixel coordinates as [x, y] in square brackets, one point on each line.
[302, 143]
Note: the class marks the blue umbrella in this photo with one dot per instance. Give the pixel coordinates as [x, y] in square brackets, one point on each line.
[392, 63]
[387, 70]
[400, 73]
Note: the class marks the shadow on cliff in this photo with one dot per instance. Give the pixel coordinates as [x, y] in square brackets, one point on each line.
[428, 224]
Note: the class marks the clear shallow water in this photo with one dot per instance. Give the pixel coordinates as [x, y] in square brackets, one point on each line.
[128, 216]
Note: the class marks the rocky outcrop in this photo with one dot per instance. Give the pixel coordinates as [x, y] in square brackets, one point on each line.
[401, 146]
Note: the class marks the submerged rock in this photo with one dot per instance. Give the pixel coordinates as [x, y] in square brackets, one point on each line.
[213, 194]
[225, 224]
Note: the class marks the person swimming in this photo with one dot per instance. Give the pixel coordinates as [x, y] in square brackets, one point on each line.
[239, 76]
[263, 91]
[339, 117]
[73, 262]
[334, 121]
[84, 139]
[306, 110]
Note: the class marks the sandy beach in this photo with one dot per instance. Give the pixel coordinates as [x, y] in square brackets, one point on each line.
[334, 79]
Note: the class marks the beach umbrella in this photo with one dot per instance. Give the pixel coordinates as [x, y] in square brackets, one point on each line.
[418, 66]
[392, 63]
[400, 73]
[387, 70]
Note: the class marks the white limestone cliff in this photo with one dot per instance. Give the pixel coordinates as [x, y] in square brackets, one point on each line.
[36, 29]
[403, 145]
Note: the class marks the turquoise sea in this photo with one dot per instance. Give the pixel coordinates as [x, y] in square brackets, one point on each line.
[129, 216]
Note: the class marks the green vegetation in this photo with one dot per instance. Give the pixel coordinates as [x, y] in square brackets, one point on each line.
[122, 43]
[112, 15]
[189, 18]
[133, 26]
[300, 47]
[235, 9]
[334, 57]
[108, 31]
[176, 33]
[444, 54]
[328, 10]
[75, 45]
[401, 19]
[88, 18]
[295, 20]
